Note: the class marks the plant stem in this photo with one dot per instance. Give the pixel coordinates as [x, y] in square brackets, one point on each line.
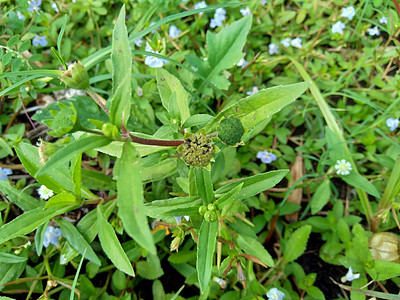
[154, 142]
[98, 99]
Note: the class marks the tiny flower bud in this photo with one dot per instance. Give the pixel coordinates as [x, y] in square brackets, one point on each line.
[230, 131]
[76, 77]
[210, 216]
[202, 210]
[210, 207]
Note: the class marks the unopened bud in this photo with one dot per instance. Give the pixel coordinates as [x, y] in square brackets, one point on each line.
[230, 131]
[76, 77]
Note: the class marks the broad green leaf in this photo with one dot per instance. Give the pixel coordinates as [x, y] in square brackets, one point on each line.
[29, 221]
[171, 89]
[11, 258]
[5, 149]
[10, 272]
[173, 207]
[255, 108]
[121, 75]
[321, 196]
[39, 237]
[296, 244]
[62, 199]
[253, 247]
[228, 197]
[77, 241]
[199, 120]
[163, 169]
[65, 154]
[87, 226]
[19, 198]
[383, 270]
[254, 184]
[358, 181]
[115, 148]
[130, 198]
[204, 185]
[111, 245]
[205, 253]
[150, 268]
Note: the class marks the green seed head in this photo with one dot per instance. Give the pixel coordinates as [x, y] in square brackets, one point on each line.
[210, 207]
[197, 150]
[210, 216]
[230, 131]
[202, 210]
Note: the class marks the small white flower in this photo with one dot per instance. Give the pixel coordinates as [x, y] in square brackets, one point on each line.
[51, 236]
[383, 20]
[263, 2]
[374, 31]
[255, 90]
[4, 173]
[350, 276]
[20, 16]
[45, 193]
[63, 259]
[392, 123]
[275, 294]
[296, 42]
[242, 63]
[245, 11]
[343, 167]
[273, 49]
[226, 74]
[338, 27]
[201, 4]
[174, 31]
[348, 12]
[222, 283]
[153, 61]
[286, 42]
[179, 219]
[139, 91]
[138, 42]
[54, 6]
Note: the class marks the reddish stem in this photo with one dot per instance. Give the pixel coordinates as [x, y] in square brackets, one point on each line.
[397, 6]
[144, 141]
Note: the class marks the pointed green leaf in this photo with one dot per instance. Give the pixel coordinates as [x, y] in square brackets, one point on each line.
[358, 181]
[65, 154]
[111, 245]
[121, 74]
[11, 258]
[173, 207]
[130, 198]
[253, 247]
[296, 244]
[321, 196]
[77, 241]
[205, 253]
[204, 185]
[19, 198]
[62, 199]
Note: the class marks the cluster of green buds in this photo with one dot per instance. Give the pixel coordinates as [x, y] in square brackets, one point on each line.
[230, 131]
[197, 150]
[76, 77]
[110, 130]
[209, 212]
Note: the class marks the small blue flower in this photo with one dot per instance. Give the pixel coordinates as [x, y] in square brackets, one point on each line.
[219, 16]
[266, 157]
[174, 31]
[263, 2]
[179, 219]
[348, 12]
[51, 236]
[4, 173]
[373, 31]
[338, 27]
[245, 11]
[242, 63]
[138, 42]
[253, 91]
[296, 42]
[286, 42]
[201, 4]
[392, 123]
[39, 40]
[275, 294]
[383, 20]
[152, 61]
[34, 5]
[273, 49]
[54, 6]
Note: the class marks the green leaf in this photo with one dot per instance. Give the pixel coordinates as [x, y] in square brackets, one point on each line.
[65, 154]
[205, 253]
[228, 197]
[255, 108]
[39, 237]
[130, 198]
[163, 169]
[5, 149]
[110, 244]
[204, 185]
[296, 244]
[173, 207]
[171, 90]
[19, 198]
[76, 174]
[29, 221]
[10, 272]
[77, 241]
[121, 74]
[358, 181]
[321, 196]
[254, 184]
[383, 270]
[253, 247]
[11, 258]
[62, 199]
[151, 268]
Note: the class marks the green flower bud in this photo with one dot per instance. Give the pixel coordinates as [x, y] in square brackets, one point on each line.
[110, 130]
[197, 150]
[230, 131]
[202, 210]
[384, 246]
[211, 207]
[76, 77]
[210, 216]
